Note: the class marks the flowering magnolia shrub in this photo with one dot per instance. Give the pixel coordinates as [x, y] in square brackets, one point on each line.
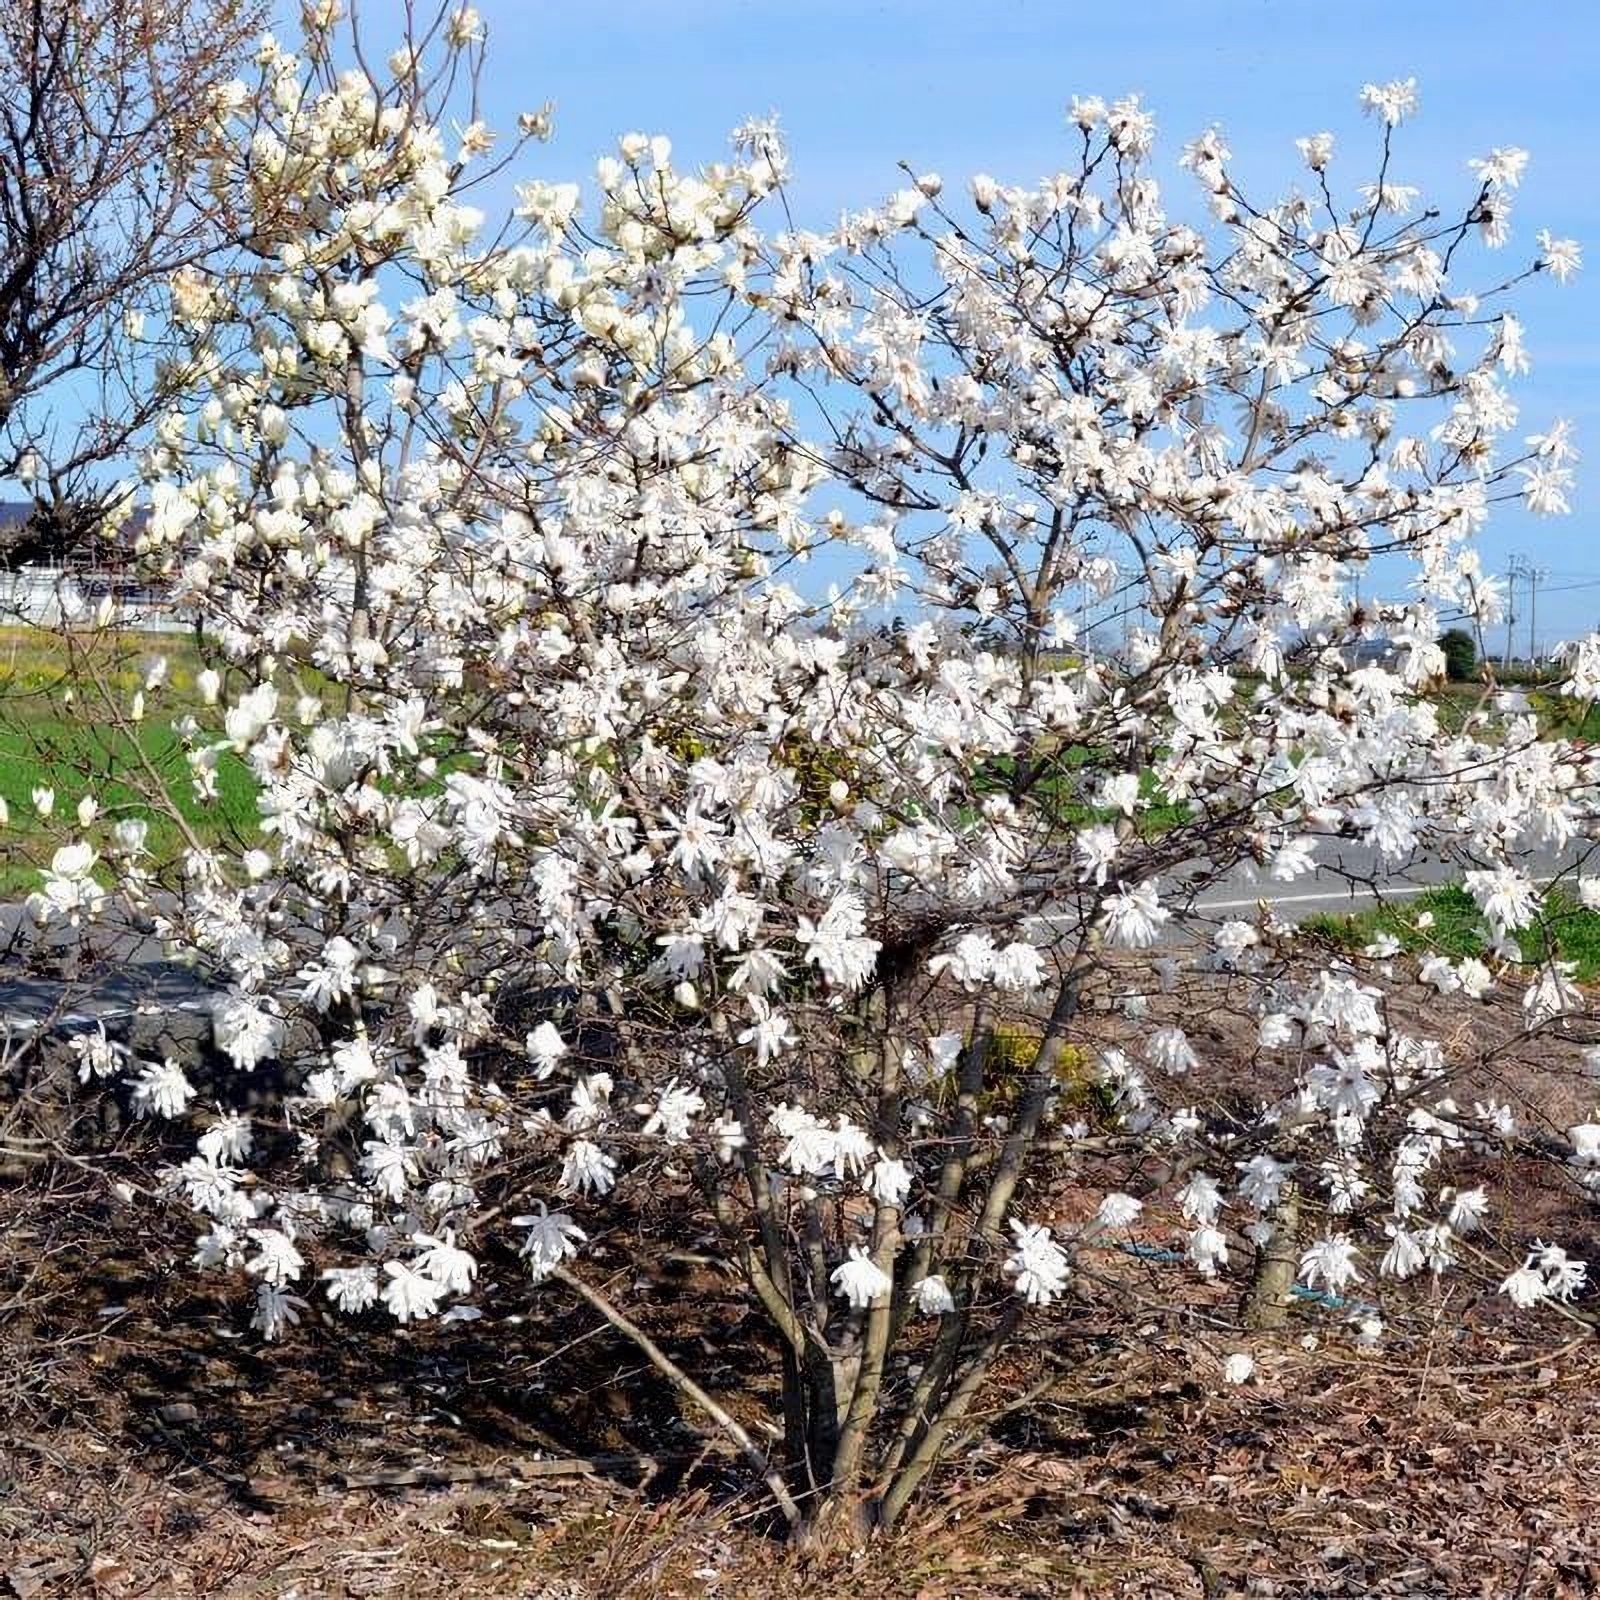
[656, 636]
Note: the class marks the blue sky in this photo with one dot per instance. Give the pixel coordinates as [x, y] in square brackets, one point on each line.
[962, 88]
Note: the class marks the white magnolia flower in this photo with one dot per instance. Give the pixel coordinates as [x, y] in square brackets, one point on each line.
[852, 1149]
[1585, 1137]
[1120, 792]
[451, 1267]
[161, 1089]
[246, 1032]
[1261, 1180]
[552, 1238]
[1330, 1261]
[70, 891]
[1560, 257]
[1392, 102]
[860, 1280]
[98, 1055]
[1316, 151]
[276, 1309]
[673, 1113]
[1441, 973]
[1096, 850]
[1505, 896]
[1208, 1250]
[276, 1259]
[587, 1169]
[1233, 938]
[331, 977]
[352, 1289]
[1200, 1199]
[131, 834]
[248, 717]
[1037, 1263]
[1468, 1209]
[1525, 1287]
[1275, 1030]
[1564, 1275]
[389, 1166]
[730, 1137]
[229, 1138]
[1134, 919]
[1118, 1211]
[1502, 168]
[1405, 1256]
[410, 1295]
[810, 1145]
[1168, 1050]
[889, 1181]
[545, 1048]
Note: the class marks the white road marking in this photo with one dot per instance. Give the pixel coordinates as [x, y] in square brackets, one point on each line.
[1354, 895]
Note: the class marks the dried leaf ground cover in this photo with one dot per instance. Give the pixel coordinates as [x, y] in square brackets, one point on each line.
[153, 1451]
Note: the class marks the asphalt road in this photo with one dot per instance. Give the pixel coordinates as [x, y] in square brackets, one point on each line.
[1351, 877]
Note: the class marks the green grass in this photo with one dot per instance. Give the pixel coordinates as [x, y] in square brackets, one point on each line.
[55, 734]
[1445, 921]
[1060, 785]
[120, 771]
[1560, 716]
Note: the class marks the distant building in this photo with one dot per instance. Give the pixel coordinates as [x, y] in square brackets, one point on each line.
[49, 566]
[1371, 653]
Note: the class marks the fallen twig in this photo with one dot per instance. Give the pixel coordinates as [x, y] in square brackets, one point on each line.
[517, 1468]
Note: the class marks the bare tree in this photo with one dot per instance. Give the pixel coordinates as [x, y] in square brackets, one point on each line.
[105, 107]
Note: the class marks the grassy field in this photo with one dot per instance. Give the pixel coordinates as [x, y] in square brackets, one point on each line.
[1560, 717]
[55, 734]
[1445, 921]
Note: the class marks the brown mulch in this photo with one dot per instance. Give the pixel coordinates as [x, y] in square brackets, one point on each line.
[1465, 1473]
[151, 1450]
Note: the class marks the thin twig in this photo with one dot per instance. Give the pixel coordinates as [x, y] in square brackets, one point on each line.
[675, 1374]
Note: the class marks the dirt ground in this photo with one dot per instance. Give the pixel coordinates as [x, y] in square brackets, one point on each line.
[150, 1449]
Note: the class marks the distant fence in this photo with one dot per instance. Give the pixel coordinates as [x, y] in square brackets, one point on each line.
[45, 597]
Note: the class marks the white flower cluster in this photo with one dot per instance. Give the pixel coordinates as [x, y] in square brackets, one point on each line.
[501, 541]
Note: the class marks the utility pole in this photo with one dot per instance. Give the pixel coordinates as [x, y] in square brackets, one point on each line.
[1518, 568]
[1536, 576]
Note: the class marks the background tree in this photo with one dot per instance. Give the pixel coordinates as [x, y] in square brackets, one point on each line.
[1460, 654]
[105, 107]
